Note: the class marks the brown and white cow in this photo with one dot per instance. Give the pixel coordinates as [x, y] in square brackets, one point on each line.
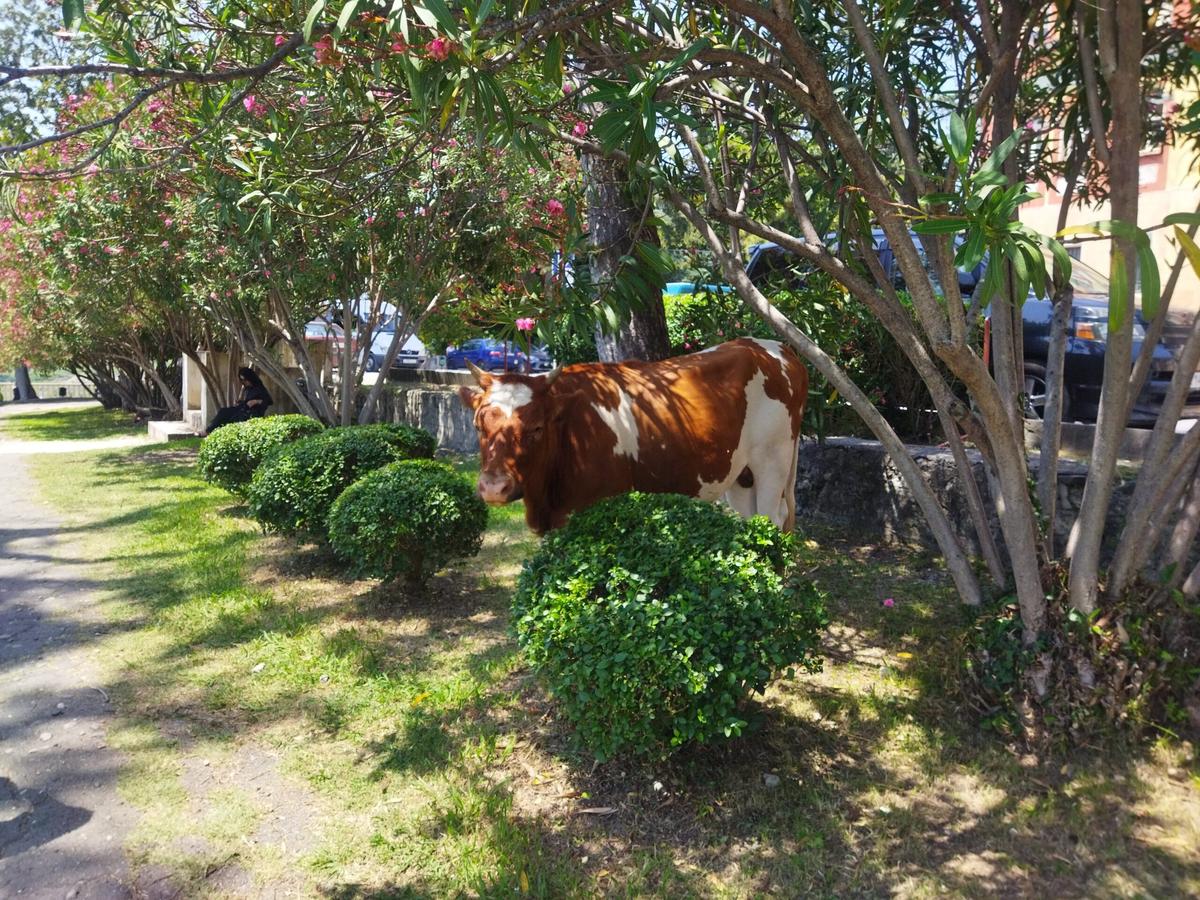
[720, 424]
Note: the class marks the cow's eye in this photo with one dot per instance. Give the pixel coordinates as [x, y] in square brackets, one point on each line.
[536, 432]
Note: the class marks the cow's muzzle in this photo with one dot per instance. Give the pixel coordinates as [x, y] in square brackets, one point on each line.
[500, 488]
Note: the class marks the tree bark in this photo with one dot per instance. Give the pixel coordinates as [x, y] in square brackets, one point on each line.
[23, 387]
[1123, 77]
[615, 224]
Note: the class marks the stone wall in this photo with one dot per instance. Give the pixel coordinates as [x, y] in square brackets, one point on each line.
[847, 483]
[850, 484]
[436, 408]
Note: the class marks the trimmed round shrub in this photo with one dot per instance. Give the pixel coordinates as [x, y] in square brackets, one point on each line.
[408, 518]
[653, 617]
[229, 456]
[296, 485]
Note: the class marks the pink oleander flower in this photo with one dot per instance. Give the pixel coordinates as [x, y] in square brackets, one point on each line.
[168, 222]
[889, 602]
[279, 39]
[253, 105]
[567, 87]
[439, 49]
[579, 129]
[555, 207]
[398, 46]
[166, 244]
[525, 324]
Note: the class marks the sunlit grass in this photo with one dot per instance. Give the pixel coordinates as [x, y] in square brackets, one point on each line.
[72, 423]
[410, 753]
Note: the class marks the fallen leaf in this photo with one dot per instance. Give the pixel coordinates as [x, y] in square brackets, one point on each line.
[599, 810]
[524, 882]
[904, 654]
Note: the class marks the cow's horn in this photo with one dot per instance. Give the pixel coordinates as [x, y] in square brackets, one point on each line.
[477, 373]
[553, 374]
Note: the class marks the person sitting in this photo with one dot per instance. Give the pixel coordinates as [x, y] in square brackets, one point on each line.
[252, 402]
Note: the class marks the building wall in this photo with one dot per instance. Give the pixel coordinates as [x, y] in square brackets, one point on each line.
[1170, 183]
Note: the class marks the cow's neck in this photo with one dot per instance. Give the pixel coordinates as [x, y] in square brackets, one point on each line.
[546, 503]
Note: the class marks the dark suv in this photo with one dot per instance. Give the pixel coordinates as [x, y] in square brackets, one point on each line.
[1087, 337]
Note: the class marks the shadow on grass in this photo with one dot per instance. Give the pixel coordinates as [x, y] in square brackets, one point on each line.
[883, 787]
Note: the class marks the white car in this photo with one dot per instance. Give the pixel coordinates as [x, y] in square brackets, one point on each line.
[410, 356]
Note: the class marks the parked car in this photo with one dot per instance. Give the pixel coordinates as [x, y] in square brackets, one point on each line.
[411, 355]
[323, 330]
[489, 354]
[540, 359]
[1087, 337]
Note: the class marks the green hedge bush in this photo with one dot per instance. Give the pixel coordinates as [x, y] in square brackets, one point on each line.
[652, 617]
[408, 518]
[229, 456]
[295, 486]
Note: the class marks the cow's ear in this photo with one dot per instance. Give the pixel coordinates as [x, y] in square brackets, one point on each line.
[470, 396]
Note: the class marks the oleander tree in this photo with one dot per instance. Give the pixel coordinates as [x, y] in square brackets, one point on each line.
[794, 123]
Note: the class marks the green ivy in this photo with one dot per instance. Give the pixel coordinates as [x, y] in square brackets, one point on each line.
[295, 486]
[653, 617]
[229, 456]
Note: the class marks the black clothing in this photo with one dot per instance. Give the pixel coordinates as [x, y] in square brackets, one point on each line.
[243, 411]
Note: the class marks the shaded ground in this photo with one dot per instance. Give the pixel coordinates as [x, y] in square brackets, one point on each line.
[62, 823]
[292, 731]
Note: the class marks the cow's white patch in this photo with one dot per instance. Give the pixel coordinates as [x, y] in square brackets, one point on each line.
[767, 447]
[623, 424]
[775, 348]
[508, 398]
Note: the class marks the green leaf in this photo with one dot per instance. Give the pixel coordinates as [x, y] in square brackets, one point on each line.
[990, 285]
[73, 13]
[946, 225]
[1037, 268]
[984, 178]
[485, 9]
[1182, 219]
[552, 62]
[994, 162]
[1118, 289]
[938, 197]
[970, 253]
[435, 13]
[311, 19]
[344, 18]
[1062, 259]
[1148, 272]
[1189, 248]
[959, 146]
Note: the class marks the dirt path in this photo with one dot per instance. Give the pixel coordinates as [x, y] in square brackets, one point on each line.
[62, 823]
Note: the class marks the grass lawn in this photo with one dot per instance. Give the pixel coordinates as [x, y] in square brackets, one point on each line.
[287, 728]
[69, 423]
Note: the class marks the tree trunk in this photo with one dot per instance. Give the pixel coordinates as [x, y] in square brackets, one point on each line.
[615, 224]
[23, 388]
[1126, 130]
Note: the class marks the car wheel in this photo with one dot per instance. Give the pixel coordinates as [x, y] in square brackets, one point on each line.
[1034, 394]
[372, 362]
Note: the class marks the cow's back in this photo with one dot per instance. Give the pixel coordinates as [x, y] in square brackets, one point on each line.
[686, 425]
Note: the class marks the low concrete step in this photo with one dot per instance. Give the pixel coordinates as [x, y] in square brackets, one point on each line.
[170, 431]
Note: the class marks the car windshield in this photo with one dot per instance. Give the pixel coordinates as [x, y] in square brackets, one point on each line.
[1085, 279]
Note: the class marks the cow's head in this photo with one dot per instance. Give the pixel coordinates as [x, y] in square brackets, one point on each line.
[516, 419]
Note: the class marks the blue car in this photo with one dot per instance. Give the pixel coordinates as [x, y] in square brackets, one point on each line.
[489, 354]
